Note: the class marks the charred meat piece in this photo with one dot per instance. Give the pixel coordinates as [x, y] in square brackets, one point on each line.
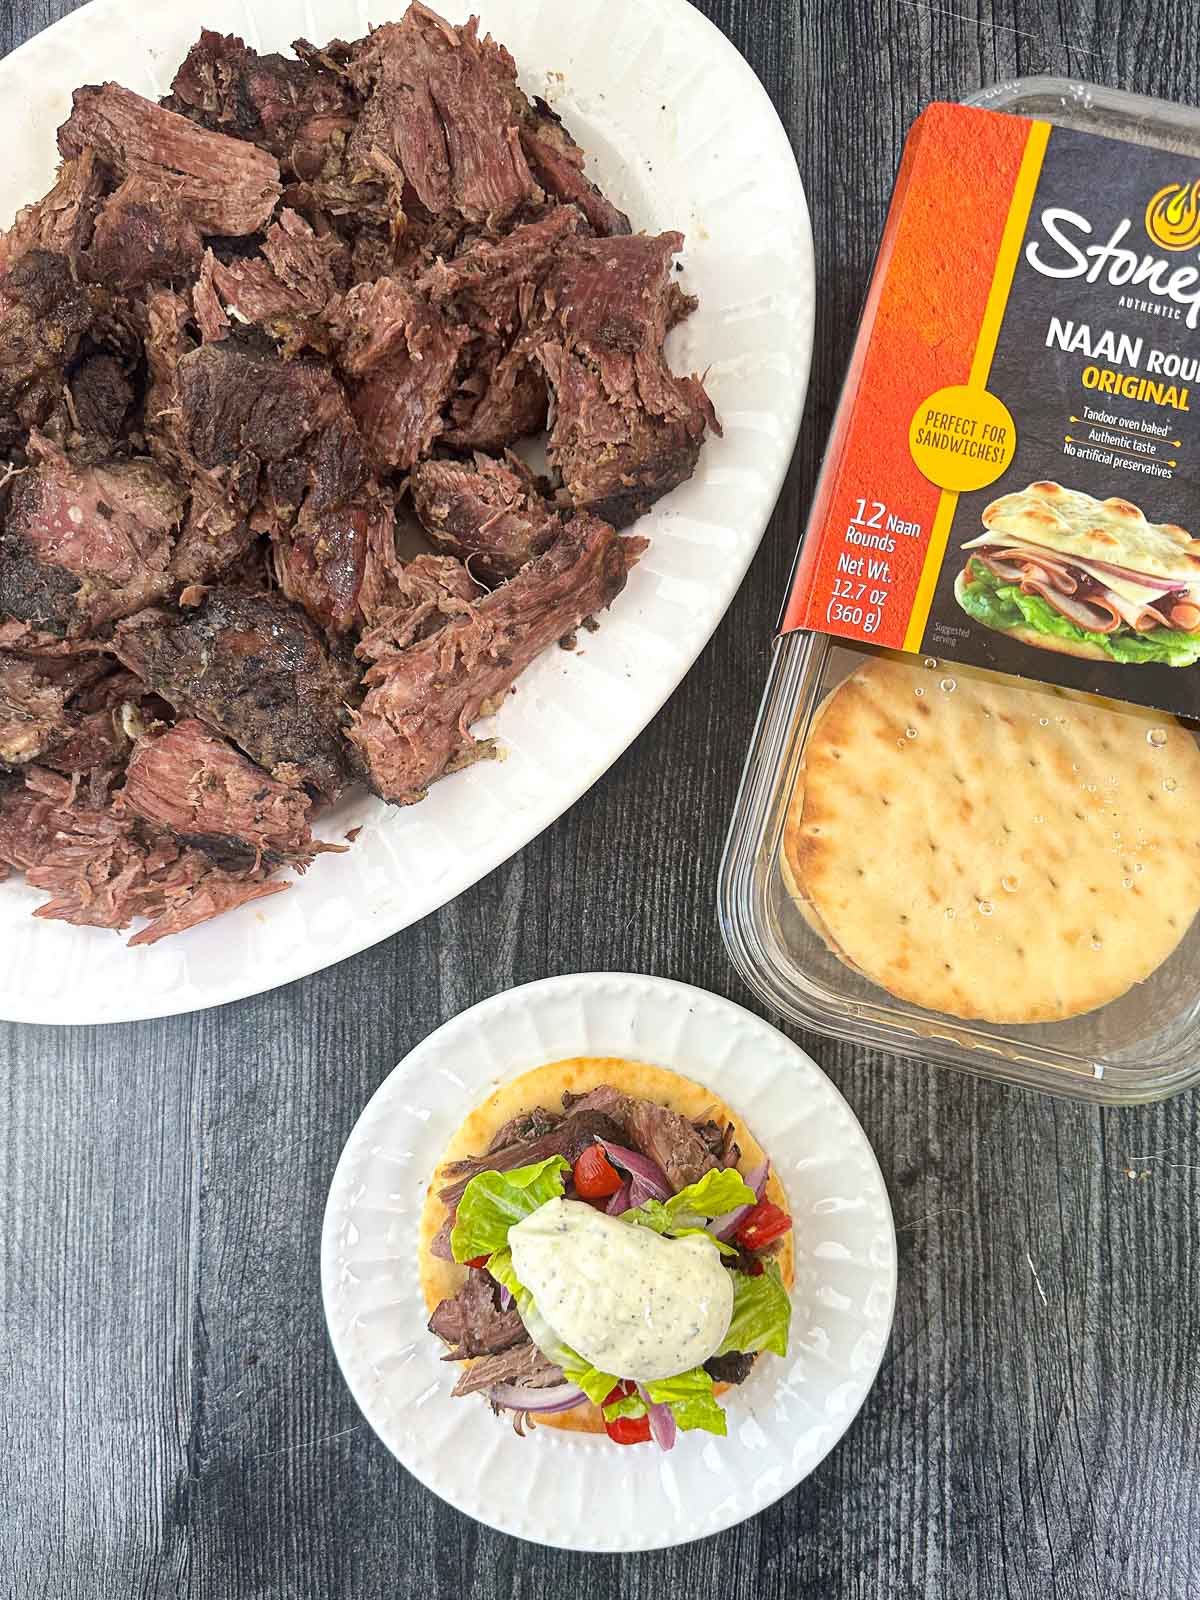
[443, 107]
[236, 396]
[473, 1324]
[491, 515]
[61, 222]
[412, 728]
[567, 1138]
[143, 235]
[626, 430]
[101, 396]
[557, 164]
[282, 105]
[732, 1368]
[84, 545]
[223, 185]
[401, 357]
[194, 783]
[43, 314]
[524, 1364]
[254, 668]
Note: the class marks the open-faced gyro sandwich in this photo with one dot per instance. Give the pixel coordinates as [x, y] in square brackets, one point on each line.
[606, 1248]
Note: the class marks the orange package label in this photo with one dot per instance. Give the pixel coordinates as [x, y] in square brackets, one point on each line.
[1013, 478]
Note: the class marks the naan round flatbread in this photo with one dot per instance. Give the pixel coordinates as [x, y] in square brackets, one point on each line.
[993, 849]
[1077, 524]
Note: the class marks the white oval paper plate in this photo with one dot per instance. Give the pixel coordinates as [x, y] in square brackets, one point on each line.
[681, 135]
[579, 1491]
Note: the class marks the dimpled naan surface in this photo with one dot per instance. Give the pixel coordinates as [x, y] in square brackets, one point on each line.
[1077, 524]
[991, 849]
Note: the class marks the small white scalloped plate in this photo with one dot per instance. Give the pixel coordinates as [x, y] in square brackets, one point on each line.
[580, 1492]
[682, 135]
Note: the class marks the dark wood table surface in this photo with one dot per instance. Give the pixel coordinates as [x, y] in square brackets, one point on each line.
[172, 1421]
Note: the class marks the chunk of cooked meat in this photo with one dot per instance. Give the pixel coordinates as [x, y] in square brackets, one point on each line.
[236, 396]
[491, 286]
[524, 1364]
[282, 105]
[223, 185]
[617, 458]
[410, 601]
[413, 725]
[677, 1145]
[491, 514]
[732, 1368]
[286, 287]
[626, 430]
[61, 221]
[568, 1138]
[84, 545]
[400, 355]
[472, 1323]
[320, 563]
[671, 1140]
[488, 283]
[442, 107]
[502, 397]
[524, 1128]
[191, 781]
[143, 235]
[557, 164]
[34, 694]
[43, 314]
[103, 871]
[254, 668]
[101, 396]
[240, 406]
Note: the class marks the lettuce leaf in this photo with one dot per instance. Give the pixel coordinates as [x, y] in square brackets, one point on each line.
[493, 1202]
[691, 1399]
[1001, 605]
[716, 1193]
[762, 1313]
[629, 1405]
[576, 1369]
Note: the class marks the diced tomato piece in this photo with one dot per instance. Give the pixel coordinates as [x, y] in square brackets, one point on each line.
[626, 1430]
[629, 1430]
[594, 1174]
[762, 1224]
[478, 1261]
[754, 1268]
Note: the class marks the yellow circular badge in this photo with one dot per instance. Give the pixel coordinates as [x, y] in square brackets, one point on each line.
[962, 438]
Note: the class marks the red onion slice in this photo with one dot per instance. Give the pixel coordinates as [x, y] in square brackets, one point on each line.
[619, 1202]
[662, 1421]
[725, 1227]
[520, 1397]
[506, 1298]
[649, 1174]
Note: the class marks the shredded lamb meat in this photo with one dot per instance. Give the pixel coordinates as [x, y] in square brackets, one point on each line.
[265, 349]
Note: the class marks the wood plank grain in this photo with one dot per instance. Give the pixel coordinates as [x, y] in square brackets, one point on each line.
[171, 1417]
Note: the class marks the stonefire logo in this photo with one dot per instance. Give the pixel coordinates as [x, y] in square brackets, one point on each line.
[1173, 216]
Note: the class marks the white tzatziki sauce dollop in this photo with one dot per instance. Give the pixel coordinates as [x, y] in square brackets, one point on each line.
[632, 1302]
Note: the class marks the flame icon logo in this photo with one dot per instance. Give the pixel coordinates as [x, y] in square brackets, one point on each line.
[1173, 216]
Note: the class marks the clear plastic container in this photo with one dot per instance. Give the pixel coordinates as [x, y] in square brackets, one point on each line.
[1140, 1047]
